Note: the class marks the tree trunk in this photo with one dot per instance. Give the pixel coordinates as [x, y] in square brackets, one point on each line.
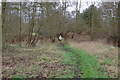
[119, 18]
[91, 24]
[119, 26]
[20, 25]
[3, 25]
[32, 26]
[33, 41]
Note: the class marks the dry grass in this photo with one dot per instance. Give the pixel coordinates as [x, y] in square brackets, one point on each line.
[45, 60]
[107, 55]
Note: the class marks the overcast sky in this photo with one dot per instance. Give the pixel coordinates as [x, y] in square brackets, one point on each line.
[85, 3]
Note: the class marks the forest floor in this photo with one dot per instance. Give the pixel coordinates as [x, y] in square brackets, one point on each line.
[39, 62]
[56, 60]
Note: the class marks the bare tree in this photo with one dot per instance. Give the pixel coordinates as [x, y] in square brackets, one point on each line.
[3, 24]
[20, 24]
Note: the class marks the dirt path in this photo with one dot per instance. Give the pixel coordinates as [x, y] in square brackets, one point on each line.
[76, 69]
[45, 61]
[107, 55]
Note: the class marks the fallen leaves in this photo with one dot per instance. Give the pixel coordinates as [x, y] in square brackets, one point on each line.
[38, 62]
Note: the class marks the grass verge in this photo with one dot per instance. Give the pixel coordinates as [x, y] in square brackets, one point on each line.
[81, 62]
